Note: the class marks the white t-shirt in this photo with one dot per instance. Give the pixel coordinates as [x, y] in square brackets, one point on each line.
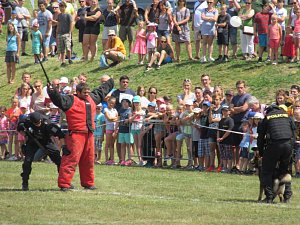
[281, 13]
[198, 9]
[112, 113]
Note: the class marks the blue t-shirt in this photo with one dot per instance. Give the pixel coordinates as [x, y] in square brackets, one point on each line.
[12, 45]
[99, 121]
[124, 115]
[237, 101]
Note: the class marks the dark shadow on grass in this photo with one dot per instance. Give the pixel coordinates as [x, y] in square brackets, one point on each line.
[232, 200]
[24, 66]
[31, 190]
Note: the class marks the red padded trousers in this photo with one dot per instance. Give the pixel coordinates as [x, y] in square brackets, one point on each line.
[81, 146]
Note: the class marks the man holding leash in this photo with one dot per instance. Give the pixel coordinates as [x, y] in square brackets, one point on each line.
[80, 110]
[276, 131]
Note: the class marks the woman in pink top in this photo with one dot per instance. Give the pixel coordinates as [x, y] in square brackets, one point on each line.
[274, 38]
[297, 35]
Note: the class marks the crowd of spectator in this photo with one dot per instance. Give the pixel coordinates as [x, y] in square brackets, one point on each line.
[265, 27]
[218, 127]
[144, 125]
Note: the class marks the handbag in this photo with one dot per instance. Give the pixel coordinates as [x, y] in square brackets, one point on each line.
[103, 62]
[175, 29]
[248, 30]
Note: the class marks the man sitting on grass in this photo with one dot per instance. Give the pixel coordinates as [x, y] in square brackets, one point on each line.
[163, 55]
[115, 49]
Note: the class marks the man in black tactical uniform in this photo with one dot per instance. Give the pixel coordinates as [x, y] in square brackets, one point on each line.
[276, 131]
[38, 132]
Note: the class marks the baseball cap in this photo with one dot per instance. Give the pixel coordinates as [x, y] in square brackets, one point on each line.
[23, 105]
[99, 105]
[35, 117]
[63, 80]
[162, 107]
[225, 107]
[35, 25]
[197, 110]
[251, 114]
[189, 102]
[111, 32]
[151, 24]
[207, 103]
[136, 99]
[161, 100]
[229, 92]
[14, 12]
[258, 115]
[152, 104]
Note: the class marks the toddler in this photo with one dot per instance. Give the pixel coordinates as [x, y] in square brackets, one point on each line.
[151, 37]
[98, 133]
[3, 133]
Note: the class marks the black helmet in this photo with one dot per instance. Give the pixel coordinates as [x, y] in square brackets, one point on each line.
[35, 117]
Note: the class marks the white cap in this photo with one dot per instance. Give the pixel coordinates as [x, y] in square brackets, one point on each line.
[189, 102]
[23, 105]
[111, 32]
[99, 105]
[63, 80]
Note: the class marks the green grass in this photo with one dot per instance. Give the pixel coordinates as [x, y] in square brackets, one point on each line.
[139, 195]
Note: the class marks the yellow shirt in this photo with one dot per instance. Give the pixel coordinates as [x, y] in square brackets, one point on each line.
[118, 44]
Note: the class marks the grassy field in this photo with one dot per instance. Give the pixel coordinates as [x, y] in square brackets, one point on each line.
[134, 195]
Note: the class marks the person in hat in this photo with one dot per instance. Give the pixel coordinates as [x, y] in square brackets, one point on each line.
[39, 132]
[13, 19]
[36, 40]
[80, 139]
[136, 120]
[115, 49]
[125, 137]
[225, 139]
[163, 55]
[151, 39]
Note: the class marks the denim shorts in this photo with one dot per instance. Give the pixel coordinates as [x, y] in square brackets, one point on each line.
[161, 33]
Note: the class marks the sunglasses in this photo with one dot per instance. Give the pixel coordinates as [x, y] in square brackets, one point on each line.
[210, 2]
[98, 108]
[294, 3]
[163, 41]
[153, 93]
[186, 80]
[248, 3]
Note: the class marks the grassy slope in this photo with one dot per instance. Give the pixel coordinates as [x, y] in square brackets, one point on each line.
[148, 196]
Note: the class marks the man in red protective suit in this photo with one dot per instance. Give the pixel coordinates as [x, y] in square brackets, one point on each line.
[80, 110]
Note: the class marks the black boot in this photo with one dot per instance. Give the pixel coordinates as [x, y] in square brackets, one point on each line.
[25, 186]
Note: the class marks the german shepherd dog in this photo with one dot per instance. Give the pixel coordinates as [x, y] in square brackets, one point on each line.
[278, 181]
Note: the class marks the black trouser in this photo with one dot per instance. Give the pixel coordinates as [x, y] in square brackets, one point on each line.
[30, 150]
[276, 153]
